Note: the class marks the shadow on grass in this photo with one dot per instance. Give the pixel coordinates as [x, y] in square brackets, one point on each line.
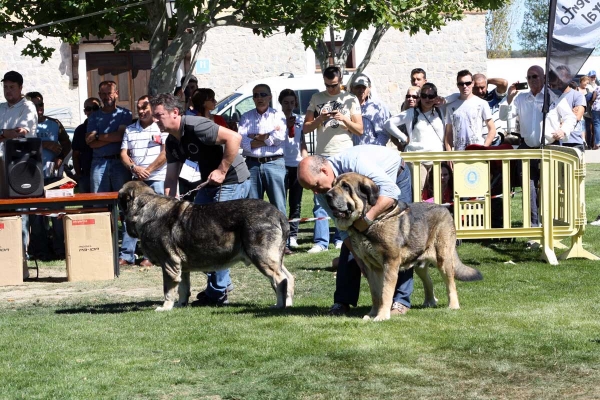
[112, 308]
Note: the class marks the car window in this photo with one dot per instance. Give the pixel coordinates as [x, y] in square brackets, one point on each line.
[225, 102]
[304, 99]
[245, 105]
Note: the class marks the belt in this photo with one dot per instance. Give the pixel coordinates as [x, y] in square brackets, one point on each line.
[113, 157]
[263, 160]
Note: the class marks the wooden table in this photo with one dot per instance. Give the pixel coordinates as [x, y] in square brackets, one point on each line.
[88, 202]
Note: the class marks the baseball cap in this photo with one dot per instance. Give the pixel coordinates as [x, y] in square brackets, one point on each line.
[13, 76]
[362, 80]
[592, 73]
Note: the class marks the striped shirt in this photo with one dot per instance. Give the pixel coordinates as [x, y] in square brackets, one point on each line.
[272, 122]
[144, 146]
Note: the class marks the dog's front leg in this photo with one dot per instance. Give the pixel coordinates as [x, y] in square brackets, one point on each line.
[184, 290]
[170, 289]
[375, 279]
[389, 279]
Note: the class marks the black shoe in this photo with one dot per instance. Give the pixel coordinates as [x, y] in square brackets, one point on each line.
[229, 289]
[203, 300]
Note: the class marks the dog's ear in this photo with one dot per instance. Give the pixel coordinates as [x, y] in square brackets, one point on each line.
[370, 190]
[124, 199]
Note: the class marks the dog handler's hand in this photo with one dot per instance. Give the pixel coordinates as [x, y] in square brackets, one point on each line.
[216, 177]
[361, 225]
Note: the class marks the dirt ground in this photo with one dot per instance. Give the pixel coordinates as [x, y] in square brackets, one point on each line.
[52, 286]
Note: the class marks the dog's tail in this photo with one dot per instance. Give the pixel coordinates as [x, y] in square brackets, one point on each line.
[463, 272]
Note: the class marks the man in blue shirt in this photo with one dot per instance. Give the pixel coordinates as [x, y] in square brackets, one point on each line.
[105, 134]
[385, 167]
[494, 96]
[374, 114]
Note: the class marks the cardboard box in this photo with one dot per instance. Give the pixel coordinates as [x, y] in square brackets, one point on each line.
[53, 193]
[11, 251]
[88, 247]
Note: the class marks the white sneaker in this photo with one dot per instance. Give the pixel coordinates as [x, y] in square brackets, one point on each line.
[338, 244]
[317, 248]
[293, 242]
[596, 222]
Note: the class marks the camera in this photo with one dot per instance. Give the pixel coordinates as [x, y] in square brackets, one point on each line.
[521, 86]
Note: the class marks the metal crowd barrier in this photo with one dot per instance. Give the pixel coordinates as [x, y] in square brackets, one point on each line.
[561, 198]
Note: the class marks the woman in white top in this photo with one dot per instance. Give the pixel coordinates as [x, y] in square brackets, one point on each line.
[424, 125]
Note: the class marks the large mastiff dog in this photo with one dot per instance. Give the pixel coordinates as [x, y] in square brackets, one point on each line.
[182, 237]
[402, 237]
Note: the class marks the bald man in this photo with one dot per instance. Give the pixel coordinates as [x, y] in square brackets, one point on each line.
[385, 167]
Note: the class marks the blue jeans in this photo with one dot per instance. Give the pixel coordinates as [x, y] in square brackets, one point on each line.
[84, 184]
[294, 197]
[268, 177]
[128, 246]
[110, 176]
[347, 284]
[596, 124]
[321, 231]
[216, 285]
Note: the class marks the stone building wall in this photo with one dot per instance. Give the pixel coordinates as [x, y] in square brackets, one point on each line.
[52, 78]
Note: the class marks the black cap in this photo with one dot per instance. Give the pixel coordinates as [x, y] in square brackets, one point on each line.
[13, 76]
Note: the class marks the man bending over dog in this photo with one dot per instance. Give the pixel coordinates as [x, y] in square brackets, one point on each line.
[385, 167]
[223, 170]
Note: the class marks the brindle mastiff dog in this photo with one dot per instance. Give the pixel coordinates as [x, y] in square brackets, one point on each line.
[182, 237]
[403, 237]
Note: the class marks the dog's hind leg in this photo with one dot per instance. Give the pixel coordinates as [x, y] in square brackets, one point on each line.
[184, 290]
[289, 294]
[446, 267]
[422, 271]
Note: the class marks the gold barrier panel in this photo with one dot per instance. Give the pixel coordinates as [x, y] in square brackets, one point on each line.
[482, 195]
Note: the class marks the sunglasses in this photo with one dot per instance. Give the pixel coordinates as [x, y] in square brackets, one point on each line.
[428, 96]
[261, 94]
[91, 108]
[464, 83]
[532, 77]
[411, 96]
[332, 86]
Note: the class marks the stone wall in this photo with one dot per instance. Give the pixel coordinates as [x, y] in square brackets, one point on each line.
[52, 79]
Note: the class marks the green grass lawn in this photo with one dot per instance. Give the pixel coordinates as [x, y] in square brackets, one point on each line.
[529, 330]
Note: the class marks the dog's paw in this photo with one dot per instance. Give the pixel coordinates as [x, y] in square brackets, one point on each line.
[432, 303]
[167, 306]
[381, 318]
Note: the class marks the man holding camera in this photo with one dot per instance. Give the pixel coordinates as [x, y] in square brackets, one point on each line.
[560, 122]
[336, 116]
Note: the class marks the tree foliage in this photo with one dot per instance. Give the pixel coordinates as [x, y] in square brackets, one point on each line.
[498, 32]
[353, 17]
[533, 34]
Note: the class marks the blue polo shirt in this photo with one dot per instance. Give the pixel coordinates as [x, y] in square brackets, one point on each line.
[102, 122]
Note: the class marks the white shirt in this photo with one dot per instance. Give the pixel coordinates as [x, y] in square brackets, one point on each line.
[272, 122]
[145, 145]
[426, 135]
[23, 114]
[529, 110]
[467, 118]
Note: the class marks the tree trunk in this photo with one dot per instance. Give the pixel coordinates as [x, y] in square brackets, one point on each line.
[379, 32]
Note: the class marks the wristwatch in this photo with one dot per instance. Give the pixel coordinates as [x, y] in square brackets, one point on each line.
[97, 136]
[131, 167]
[368, 221]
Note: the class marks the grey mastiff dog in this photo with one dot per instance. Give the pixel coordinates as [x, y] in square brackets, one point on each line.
[182, 237]
[405, 236]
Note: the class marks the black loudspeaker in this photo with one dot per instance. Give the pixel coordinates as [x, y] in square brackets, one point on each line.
[21, 173]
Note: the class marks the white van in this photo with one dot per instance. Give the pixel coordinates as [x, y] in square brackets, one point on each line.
[233, 106]
[240, 101]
